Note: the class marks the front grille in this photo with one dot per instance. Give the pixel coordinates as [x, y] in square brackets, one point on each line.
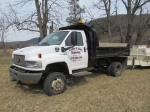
[18, 69]
[19, 60]
[24, 71]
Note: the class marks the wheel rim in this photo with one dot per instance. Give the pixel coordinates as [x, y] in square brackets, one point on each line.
[118, 69]
[57, 85]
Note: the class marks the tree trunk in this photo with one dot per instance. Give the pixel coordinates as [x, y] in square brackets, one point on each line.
[109, 31]
[121, 34]
[120, 29]
[39, 19]
[3, 42]
[51, 28]
[45, 16]
[139, 38]
[129, 35]
[109, 26]
[107, 5]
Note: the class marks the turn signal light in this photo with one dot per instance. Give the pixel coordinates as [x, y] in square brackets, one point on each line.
[39, 56]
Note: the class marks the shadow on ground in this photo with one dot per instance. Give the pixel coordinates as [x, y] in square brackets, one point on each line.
[34, 89]
[82, 79]
[38, 88]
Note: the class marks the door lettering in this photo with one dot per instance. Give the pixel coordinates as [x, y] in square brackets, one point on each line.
[75, 54]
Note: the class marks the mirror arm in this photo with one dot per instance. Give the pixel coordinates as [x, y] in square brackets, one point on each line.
[65, 49]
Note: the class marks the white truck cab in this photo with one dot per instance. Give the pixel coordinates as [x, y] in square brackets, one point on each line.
[49, 50]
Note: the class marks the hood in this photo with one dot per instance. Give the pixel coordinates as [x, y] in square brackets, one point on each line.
[29, 49]
[32, 51]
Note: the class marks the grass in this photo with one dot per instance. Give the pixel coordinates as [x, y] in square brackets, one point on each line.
[94, 93]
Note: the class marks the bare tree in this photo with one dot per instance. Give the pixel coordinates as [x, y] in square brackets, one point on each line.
[132, 6]
[107, 8]
[119, 24]
[91, 20]
[3, 31]
[143, 26]
[40, 19]
[4, 28]
[107, 4]
[75, 12]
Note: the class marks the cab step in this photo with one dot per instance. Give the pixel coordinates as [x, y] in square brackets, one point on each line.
[81, 73]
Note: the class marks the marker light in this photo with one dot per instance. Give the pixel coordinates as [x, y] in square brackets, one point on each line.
[80, 21]
[39, 56]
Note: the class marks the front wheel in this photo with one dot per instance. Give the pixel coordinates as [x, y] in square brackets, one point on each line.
[55, 83]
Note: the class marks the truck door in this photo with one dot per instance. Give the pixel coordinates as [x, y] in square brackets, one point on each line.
[77, 56]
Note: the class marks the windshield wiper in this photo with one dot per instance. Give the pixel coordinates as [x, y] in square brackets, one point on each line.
[43, 44]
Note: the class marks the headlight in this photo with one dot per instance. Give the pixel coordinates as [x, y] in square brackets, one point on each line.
[33, 64]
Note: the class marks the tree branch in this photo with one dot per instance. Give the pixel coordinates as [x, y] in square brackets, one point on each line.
[28, 29]
[125, 4]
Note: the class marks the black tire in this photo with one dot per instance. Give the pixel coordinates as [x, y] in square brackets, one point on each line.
[116, 69]
[108, 69]
[55, 83]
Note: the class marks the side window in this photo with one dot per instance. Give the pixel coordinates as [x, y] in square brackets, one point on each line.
[68, 41]
[79, 40]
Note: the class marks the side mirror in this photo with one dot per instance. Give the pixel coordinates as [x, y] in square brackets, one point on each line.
[39, 39]
[74, 38]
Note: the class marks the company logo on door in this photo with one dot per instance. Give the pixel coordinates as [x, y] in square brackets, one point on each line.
[75, 54]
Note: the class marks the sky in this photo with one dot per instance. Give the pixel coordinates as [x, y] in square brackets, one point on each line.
[14, 34]
[27, 35]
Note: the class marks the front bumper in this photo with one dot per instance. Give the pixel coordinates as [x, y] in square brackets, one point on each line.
[24, 77]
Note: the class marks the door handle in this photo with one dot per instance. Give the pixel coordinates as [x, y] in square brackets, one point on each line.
[84, 49]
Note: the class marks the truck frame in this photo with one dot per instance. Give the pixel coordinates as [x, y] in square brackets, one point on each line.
[72, 51]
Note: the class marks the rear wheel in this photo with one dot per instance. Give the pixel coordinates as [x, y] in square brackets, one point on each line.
[108, 69]
[116, 69]
[55, 83]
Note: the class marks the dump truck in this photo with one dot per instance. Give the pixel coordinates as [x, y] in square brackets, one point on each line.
[70, 52]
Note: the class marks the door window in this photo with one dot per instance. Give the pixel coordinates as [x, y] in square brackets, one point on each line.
[79, 40]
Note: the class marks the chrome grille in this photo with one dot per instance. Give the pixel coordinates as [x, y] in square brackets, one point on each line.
[19, 60]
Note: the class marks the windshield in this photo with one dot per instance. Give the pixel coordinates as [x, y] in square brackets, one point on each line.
[54, 38]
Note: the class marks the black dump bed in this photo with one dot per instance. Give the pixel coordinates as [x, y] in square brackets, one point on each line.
[100, 50]
[112, 50]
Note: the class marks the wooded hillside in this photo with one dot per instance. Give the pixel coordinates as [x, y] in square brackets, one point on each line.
[101, 28]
